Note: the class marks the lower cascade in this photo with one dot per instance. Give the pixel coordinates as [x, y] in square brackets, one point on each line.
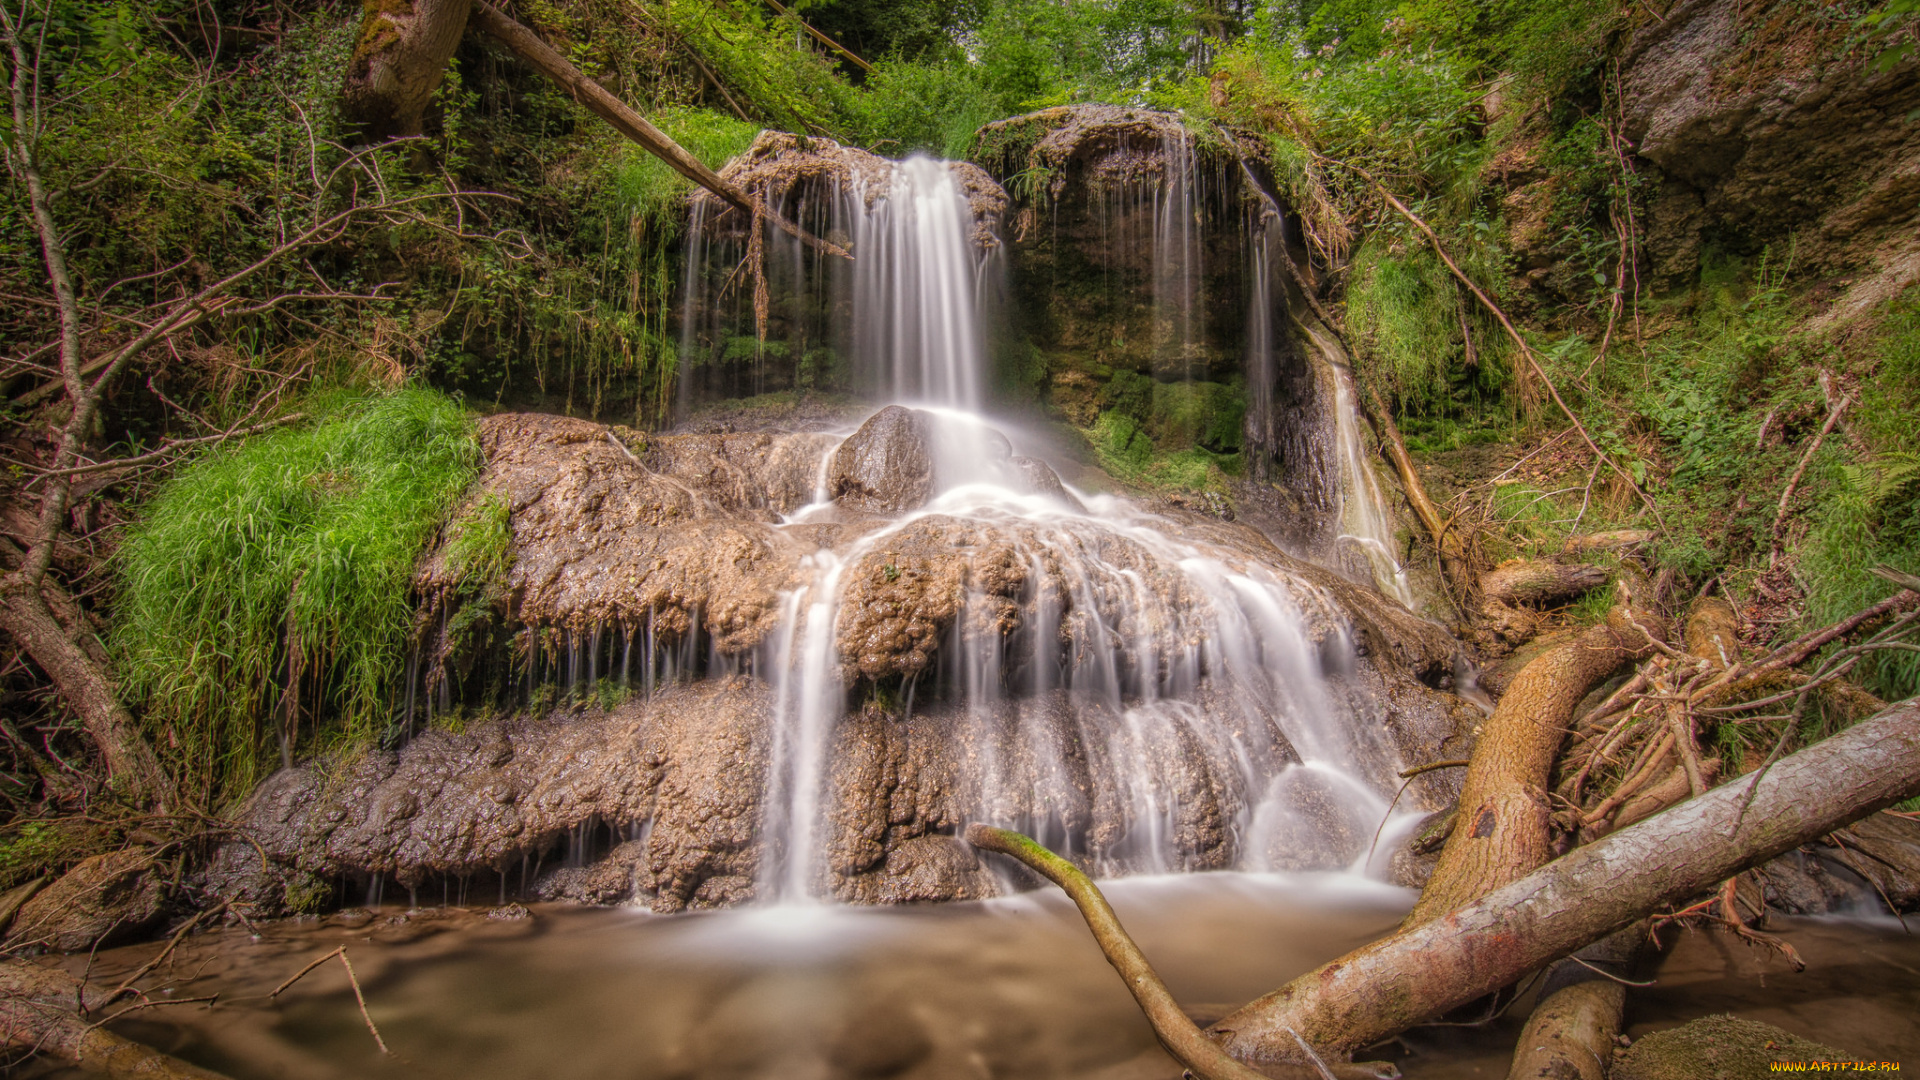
[789, 659]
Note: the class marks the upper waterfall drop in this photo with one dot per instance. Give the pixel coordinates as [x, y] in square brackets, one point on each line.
[916, 334]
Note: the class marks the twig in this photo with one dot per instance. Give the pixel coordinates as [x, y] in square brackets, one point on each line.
[362, 999]
[1176, 1031]
[180, 934]
[145, 1004]
[1611, 975]
[340, 952]
[171, 446]
[1806, 459]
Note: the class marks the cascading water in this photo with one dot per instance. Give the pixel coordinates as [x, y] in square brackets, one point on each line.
[915, 327]
[1153, 704]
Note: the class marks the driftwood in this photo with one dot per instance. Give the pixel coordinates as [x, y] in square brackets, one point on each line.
[1503, 824]
[1393, 984]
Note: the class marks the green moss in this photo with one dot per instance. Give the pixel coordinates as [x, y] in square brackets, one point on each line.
[275, 576]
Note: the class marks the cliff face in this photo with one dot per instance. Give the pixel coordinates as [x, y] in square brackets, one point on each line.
[1769, 125]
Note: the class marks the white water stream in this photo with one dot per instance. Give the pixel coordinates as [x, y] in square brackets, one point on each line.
[1154, 702]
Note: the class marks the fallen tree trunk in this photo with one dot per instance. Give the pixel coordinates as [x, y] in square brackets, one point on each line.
[1445, 962]
[37, 1014]
[1570, 1034]
[528, 46]
[1502, 831]
[1538, 583]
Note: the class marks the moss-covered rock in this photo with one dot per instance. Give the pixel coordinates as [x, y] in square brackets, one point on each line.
[1723, 1047]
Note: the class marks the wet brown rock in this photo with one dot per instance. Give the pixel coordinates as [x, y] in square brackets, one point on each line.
[887, 466]
[778, 163]
[1036, 477]
[690, 760]
[675, 543]
[104, 899]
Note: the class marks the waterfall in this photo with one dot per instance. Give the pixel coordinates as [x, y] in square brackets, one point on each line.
[915, 332]
[1150, 702]
[1366, 529]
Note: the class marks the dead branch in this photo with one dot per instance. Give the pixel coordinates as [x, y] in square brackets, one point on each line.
[1793, 482]
[37, 1014]
[1379, 990]
[1178, 1033]
[1526, 350]
[820, 37]
[549, 62]
[340, 952]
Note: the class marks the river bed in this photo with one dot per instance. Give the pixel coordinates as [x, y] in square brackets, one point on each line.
[1004, 988]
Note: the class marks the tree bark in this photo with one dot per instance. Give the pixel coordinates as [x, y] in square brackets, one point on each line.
[86, 688]
[1502, 830]
[1389, 986]
[36, 1014]
[398, 61]
[1570, 1034]
[82, 678]
[1538, 583]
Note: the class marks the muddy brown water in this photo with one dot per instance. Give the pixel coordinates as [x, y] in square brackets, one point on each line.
[1012, 987]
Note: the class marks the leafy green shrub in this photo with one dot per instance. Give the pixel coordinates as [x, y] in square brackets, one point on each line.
[273, 578]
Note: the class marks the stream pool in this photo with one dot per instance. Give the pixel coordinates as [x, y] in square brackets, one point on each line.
[1004, 988]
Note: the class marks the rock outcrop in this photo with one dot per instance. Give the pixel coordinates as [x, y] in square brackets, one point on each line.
[1769, 122]
[1076, 672]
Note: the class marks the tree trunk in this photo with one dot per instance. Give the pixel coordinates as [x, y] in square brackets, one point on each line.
[398, 61]
[547, 60]
[1570, 1034]
[87, 689]
[1538, 583]
[1501, 831]
[36, 1014]
[1445, 962]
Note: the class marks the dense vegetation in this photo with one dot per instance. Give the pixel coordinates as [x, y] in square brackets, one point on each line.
[188, 139]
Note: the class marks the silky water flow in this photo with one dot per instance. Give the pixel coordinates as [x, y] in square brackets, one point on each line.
[1150, 702]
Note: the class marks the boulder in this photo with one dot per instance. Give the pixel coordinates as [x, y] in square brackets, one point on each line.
[105, 899]
[886, 467]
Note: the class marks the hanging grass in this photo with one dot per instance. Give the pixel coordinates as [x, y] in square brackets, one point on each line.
[266, 593]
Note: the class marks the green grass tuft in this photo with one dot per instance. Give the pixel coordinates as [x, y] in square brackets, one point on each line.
[290, 555]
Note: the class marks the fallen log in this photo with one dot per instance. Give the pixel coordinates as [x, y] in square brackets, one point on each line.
[549, 62]
[1442, 963]
[1503, 824]
[1538, 583]
[1607, 541]
[37, 1014]
[1570, 1034]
